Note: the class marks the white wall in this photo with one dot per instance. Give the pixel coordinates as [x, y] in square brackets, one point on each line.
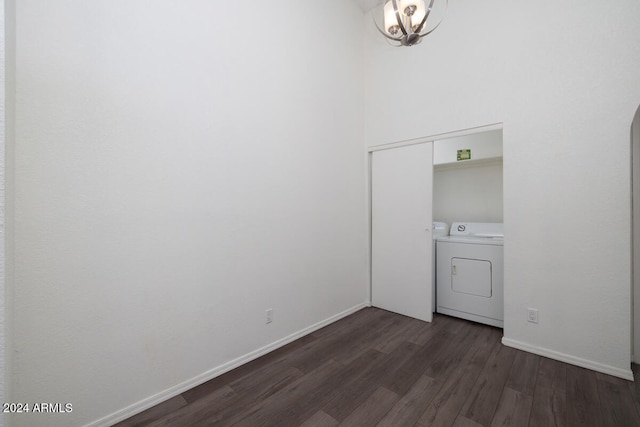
[3, 132]
[175, 176]
[9, 179]
[470, 192]
[563, 79]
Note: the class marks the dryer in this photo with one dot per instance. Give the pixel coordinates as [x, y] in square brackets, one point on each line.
[469, 272]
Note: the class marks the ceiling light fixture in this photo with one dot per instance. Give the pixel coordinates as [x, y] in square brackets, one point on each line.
[406, 22]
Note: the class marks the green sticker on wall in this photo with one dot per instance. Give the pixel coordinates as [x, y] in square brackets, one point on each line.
[464, 154]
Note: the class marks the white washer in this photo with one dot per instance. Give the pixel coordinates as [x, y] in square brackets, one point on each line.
[469, 272]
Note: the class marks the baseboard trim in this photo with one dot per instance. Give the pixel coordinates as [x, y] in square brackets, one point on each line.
[626, 374]
[150, 402]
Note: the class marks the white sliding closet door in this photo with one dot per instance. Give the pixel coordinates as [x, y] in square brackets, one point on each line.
[402, 246]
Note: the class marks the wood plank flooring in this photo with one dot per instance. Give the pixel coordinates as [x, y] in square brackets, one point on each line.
[376, 368]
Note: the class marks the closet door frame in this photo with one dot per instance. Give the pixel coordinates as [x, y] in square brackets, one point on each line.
[426, 139]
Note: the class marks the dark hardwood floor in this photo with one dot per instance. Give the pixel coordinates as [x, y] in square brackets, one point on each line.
[376, 368]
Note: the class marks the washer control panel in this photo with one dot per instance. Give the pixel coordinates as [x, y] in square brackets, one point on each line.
[477, 229]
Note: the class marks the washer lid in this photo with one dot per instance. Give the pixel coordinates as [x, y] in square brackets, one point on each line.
[440, 229]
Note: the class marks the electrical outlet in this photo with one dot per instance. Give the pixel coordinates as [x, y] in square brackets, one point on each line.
[269, 313]
[532, 315]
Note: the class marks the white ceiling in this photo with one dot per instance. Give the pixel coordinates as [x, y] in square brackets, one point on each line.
[367, 5]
